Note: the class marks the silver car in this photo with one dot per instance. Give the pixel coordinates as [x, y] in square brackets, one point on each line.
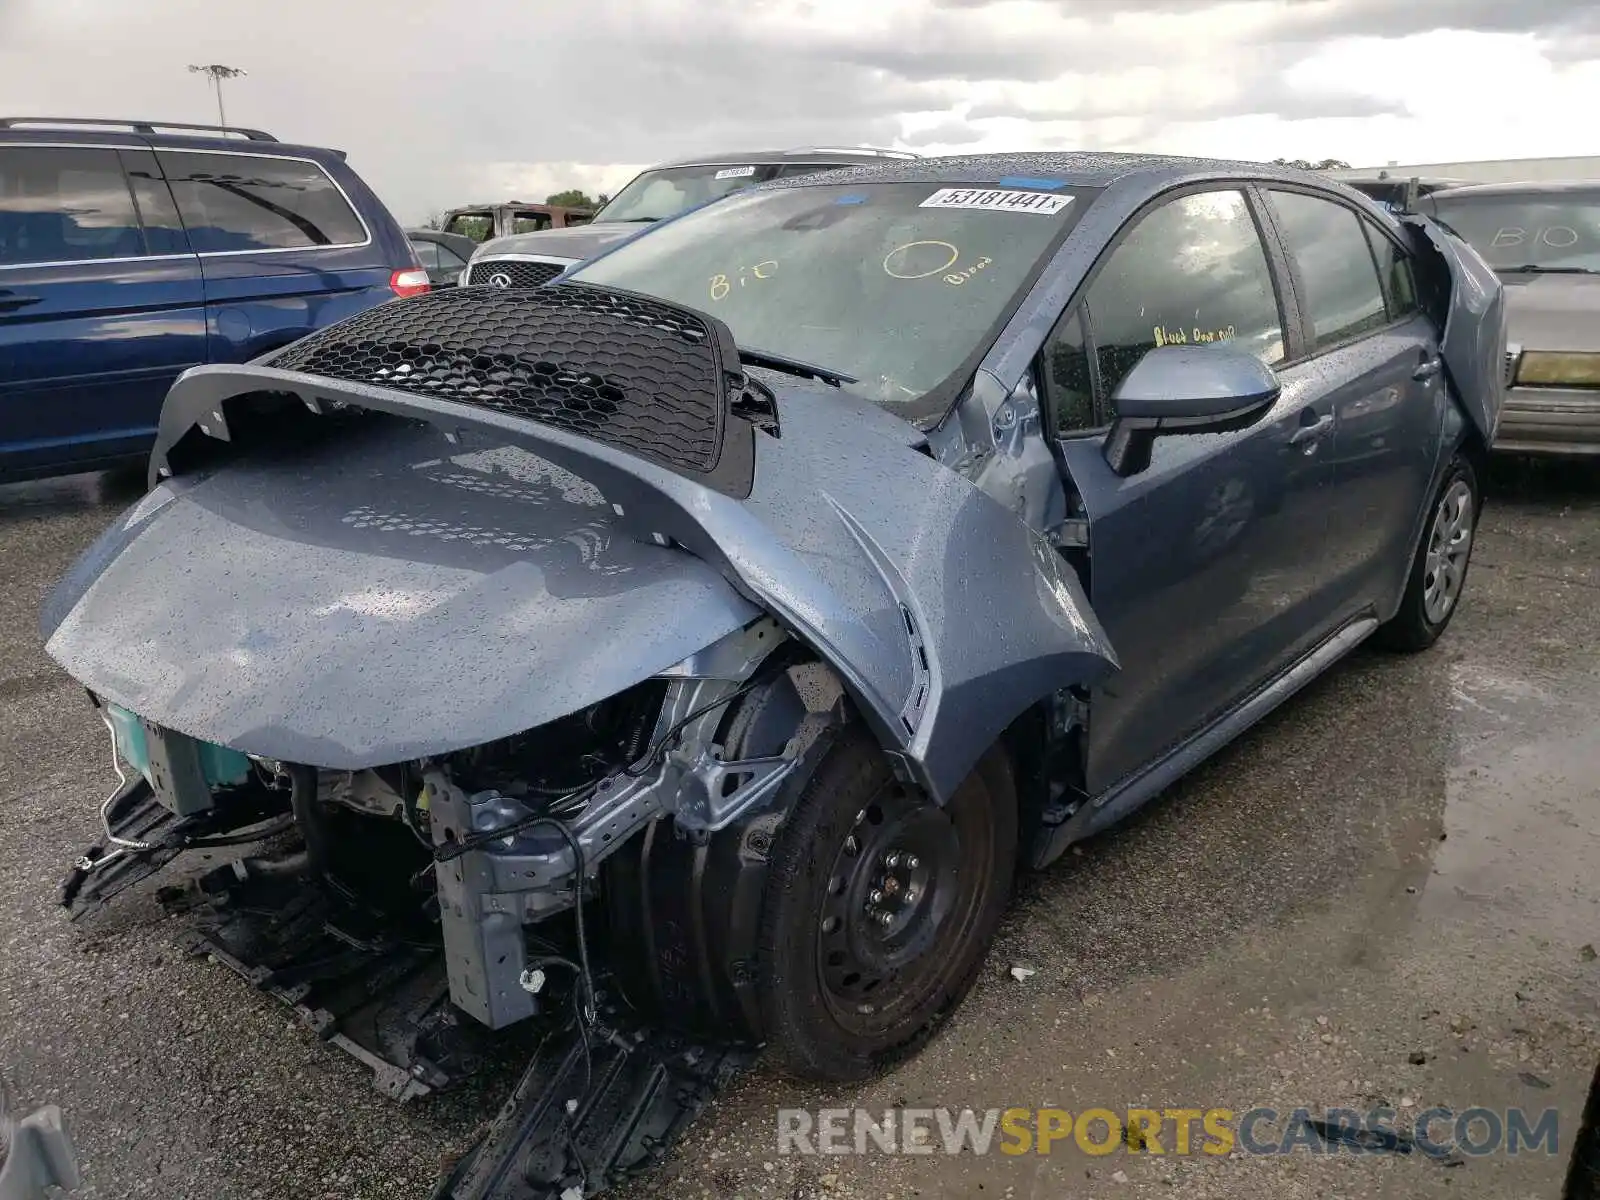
[1543, 240]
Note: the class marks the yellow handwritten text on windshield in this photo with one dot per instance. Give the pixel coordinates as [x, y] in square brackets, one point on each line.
[1195, 336]
[958, 277]
[721, 285]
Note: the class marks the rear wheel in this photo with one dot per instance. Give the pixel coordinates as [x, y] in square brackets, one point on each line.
[1439, 570]
[879, 909]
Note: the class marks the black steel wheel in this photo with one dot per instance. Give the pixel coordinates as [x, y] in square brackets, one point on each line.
[879, 909]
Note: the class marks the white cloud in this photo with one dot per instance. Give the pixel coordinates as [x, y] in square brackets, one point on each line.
[481, 99]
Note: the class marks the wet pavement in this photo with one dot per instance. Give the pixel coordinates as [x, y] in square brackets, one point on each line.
[1388, 893]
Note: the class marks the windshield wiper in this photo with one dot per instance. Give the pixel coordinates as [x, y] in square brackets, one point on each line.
[793, 366]
[1536, 269]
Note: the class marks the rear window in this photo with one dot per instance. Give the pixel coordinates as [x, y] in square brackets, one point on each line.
[1546, 231]
[232, 202]
[65, 205]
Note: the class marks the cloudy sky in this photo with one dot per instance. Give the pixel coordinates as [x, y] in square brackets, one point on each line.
[440, 103]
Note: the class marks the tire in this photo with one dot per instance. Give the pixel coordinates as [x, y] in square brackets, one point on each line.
[1583, 1168]
[823, 915]
[1431, 597]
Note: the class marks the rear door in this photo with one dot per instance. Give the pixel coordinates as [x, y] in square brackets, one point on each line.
[100, 304]
[282, 249]
[1379, 357]
[1206, 569]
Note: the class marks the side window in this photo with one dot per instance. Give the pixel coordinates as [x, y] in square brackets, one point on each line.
[427, 254]
[163, 231]
[449, 260]
[1068, 380]
[530, 222]
[1344, 298]
[65, 205]
[477, 226]
[250, 202]
[1191, 272]
[1399, 287]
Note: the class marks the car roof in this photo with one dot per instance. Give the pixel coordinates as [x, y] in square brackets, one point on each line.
[1072, 168]
[143, 135]
[1533, 187]
[805, 156]
[529, 204]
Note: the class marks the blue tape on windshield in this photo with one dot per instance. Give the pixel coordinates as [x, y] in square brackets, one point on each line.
[1028, 181]
[852, 199]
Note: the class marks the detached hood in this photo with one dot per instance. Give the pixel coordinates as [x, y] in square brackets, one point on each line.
[576, 242]
[1553, 312]
[385, 593]
[377, 600]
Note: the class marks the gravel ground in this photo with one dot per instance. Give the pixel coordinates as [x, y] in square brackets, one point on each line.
[1385, 893]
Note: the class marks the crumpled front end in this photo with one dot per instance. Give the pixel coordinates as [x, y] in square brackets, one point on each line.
[463, 617]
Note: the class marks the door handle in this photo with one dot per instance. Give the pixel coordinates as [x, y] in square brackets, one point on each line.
[1312, 432]
[1427, 369]
[10, 301]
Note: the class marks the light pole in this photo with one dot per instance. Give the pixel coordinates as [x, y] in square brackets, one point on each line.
[218, 73]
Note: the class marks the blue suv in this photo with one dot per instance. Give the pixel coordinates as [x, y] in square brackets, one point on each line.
[130, 251]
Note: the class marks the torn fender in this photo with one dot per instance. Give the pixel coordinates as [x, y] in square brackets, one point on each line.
[1473, 345]
[944, 615]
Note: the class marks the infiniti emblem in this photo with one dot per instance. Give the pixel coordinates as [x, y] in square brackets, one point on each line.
[500, 279]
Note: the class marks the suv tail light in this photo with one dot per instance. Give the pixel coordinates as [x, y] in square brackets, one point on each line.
[412, 281]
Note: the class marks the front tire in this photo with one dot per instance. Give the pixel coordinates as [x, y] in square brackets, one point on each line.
[1439, 570]
[879, 910]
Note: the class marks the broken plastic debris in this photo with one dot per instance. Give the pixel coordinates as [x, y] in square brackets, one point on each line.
[1022, 974]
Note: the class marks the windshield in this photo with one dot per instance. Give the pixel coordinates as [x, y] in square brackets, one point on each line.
[1550, 231]
[656, 195]
[894, 284]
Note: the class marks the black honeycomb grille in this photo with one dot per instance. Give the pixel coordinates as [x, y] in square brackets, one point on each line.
[516, 274]
[627, 370]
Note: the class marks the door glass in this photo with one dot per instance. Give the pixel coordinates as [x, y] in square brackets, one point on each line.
[65, 205]
[248, 202]
[530, 222]
[1193, 272]
[163, 231]
[1068, 384]
[427, 254]
[449, 260]
[1343, 296]
[1400, 288]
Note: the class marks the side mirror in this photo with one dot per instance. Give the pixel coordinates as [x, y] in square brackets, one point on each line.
[1185, 389]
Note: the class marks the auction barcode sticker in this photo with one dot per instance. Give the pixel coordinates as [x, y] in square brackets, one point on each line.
[735, 172]
[998, 199]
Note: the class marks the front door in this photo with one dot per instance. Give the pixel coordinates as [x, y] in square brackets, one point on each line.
[99, 311]
[1206, 569]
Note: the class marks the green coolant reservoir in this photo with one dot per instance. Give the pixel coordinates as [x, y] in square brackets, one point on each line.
[222, 767]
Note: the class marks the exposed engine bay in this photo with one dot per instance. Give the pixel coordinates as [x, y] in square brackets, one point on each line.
[409, 913]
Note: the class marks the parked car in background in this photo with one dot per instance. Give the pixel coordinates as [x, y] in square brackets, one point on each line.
[130, 251]
[771, 588]
[442, 255]
[661, 192]
[480, 222]
[1543, 239]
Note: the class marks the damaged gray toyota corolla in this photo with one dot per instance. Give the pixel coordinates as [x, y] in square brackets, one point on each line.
[681, 658]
